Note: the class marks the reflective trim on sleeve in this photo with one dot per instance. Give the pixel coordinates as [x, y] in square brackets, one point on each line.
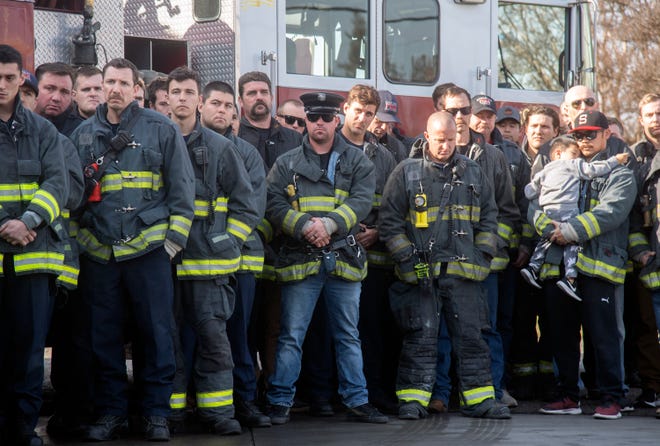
[47, 202]
[589, 223]
[347, 214]
[238, 229]
[180, 224]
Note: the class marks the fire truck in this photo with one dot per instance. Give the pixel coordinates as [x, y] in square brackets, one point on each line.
[517, 51]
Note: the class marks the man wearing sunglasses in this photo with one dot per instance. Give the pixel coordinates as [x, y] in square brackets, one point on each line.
[601, 230]
[457, 102]
[317, 195]
[291, 114]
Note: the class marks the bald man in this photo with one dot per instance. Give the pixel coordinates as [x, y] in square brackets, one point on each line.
[442, 255]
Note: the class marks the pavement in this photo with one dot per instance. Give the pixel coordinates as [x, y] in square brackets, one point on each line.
[526, 427]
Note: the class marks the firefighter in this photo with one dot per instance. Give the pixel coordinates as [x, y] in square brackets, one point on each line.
[317, 195]
[136, 218]
[225, 215]
[35, 178]
[438, 219]
[216, 113]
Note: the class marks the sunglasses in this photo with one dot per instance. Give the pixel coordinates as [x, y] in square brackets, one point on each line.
[588, 136]
[291, 119]
[589, 102]
[327, 117]
[464, 110]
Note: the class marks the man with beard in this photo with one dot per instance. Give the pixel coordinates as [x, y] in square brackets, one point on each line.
[258, 127]
[317, 195]
[88, 90]
[271, 140]
[55, 101]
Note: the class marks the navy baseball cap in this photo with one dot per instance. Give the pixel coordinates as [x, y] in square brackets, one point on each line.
[507, 112]
[388, 107]
[481, 102]
[30, 81]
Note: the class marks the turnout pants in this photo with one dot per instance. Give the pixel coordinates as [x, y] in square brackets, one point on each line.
[206, 305]
[26, 307]
[464, 307]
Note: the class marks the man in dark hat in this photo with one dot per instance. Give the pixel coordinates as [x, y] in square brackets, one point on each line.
[383, 124]
[317, 195]
[507, 122]
[29, 90]
[601, 230]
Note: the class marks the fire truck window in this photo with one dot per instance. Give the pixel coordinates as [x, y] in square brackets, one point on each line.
[411, 41]
[61, 5]
[328, 38]
[531, 43]
[206, 10]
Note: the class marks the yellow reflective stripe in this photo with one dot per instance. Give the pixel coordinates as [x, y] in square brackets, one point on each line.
[180, 224]
[251, 263]
[267, 273]
[266, 230]
[514, 242]
[17, 192]
[541, 222]
[66, 213]
[92, 246]
[477, 395]
[221, 204]
[651, 280]
[527, 230]
[207, 267]
[290, 220]
[524, 369]
[340, 196]
[349, 272]
[215, 399]
[38, 261]
[178, 401]
[379, 258]
[47, 201]
[202, 208]
[238, 229]
[298, 271]
[347, 214]
[467, 270]
[2, 262]
[636, 239]
[601, 269]
[421, 396]
[548, 271]
[546, 367]
[69, 274]
[629, 266]
[146, 238]
[376, 200]
[486, 239]
[590, 224]
[130, 180]
[499, 263]
[398, 243]
[405, 276]
[504, 231]
[316, 203]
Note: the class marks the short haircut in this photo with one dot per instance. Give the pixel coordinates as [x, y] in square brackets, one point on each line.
[451, 90]
[540, 110]
[120, 64]
[9, 54]
[184, 73]
[293, 101]
[159, 83]
[56, 68]
[363, 94]
[440, 90]
[85, 71]
[253, 76]
[222, 87]
[562, 142]
[612, 120]
[647, 99]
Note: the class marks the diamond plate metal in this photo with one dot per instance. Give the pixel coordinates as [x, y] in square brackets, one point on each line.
[211, 45]
[53, 32]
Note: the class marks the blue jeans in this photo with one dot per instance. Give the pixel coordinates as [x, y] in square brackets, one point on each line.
[298, 302]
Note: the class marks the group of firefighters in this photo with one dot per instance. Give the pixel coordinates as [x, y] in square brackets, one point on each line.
[399, 256]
